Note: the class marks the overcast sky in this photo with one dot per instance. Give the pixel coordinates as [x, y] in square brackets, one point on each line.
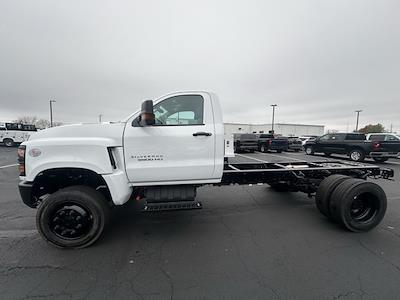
[318, 60]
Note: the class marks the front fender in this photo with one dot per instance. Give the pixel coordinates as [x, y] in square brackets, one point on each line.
[91, 154]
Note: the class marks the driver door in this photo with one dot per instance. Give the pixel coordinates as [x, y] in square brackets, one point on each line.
[178, 148]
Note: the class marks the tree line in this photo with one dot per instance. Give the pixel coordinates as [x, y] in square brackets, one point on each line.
[33, 120]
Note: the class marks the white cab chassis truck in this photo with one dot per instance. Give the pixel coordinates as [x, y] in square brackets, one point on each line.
[160, 155]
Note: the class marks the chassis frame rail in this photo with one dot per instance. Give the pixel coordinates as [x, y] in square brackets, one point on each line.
[298, 176]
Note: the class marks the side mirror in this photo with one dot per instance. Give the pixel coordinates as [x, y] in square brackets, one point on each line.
[147, 117]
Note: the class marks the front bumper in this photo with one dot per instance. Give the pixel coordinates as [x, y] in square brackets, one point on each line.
[25, 190]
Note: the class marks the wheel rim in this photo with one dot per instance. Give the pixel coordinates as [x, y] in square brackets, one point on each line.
[262, 148]
[364, 208]
[8, 143]
[70, 221]
[355, 155]
[308, 150]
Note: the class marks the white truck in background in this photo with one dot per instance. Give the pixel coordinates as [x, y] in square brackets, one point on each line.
[159, 156]
[12, 134]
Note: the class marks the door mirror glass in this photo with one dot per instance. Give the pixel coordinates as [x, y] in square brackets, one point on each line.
[147, 114]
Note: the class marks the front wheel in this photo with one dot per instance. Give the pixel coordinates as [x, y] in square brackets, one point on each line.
[309, 150]
[8, 142]
[73, 217]
[357, 155]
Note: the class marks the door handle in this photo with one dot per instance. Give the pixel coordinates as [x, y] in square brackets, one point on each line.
[202, 133]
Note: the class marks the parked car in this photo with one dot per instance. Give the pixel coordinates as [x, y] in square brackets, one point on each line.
[305, 139]
[267, 142]
[294, 143]
[355, 145]
[245, 142]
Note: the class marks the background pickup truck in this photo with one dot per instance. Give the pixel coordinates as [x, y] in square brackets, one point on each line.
[245, 142]
[268, 142]
[355, 145]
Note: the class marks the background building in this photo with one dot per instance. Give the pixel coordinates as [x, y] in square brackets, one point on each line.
[279, 128]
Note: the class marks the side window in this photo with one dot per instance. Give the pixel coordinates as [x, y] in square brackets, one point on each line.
[376, 137]
[334, 137]
[391, 138]
[180, 110]
[325, 137]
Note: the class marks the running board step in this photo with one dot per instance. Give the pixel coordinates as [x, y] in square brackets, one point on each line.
[172, 206]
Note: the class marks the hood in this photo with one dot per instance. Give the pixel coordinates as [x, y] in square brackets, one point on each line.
[112, 131]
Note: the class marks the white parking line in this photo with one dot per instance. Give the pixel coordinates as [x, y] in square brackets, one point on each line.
[249, 157]
[8, 166]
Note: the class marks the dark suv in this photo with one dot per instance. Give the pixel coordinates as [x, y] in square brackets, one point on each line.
[355, 145]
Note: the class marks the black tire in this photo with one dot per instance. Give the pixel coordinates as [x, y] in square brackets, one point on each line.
[380, 159]
[309, 150]
[8, 142]
[324, 192]
[279, 151]
[358, 205]
[79, 212]
[357, 155]
[296, 150]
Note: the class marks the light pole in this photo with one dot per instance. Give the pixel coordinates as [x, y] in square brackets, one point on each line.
[51, 112]
[358, 117]
[100, 116]
[273, 116]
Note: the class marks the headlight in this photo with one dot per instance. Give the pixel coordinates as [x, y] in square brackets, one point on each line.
[21, 160]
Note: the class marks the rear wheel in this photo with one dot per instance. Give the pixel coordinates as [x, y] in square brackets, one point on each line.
[263, 148]
[357, 155]
[73, 217]
[8, 142]
[380, 159]
[309, 150]
[358, 205]
[325, 190]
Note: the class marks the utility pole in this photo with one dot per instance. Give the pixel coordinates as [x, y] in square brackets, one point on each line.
[273, 116]
[100, 116]
[358, 117]
[51, 112]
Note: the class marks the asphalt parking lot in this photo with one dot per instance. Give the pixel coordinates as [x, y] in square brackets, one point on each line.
[248, 242]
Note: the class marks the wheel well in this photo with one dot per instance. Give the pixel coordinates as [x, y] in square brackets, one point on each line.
[50, 181]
